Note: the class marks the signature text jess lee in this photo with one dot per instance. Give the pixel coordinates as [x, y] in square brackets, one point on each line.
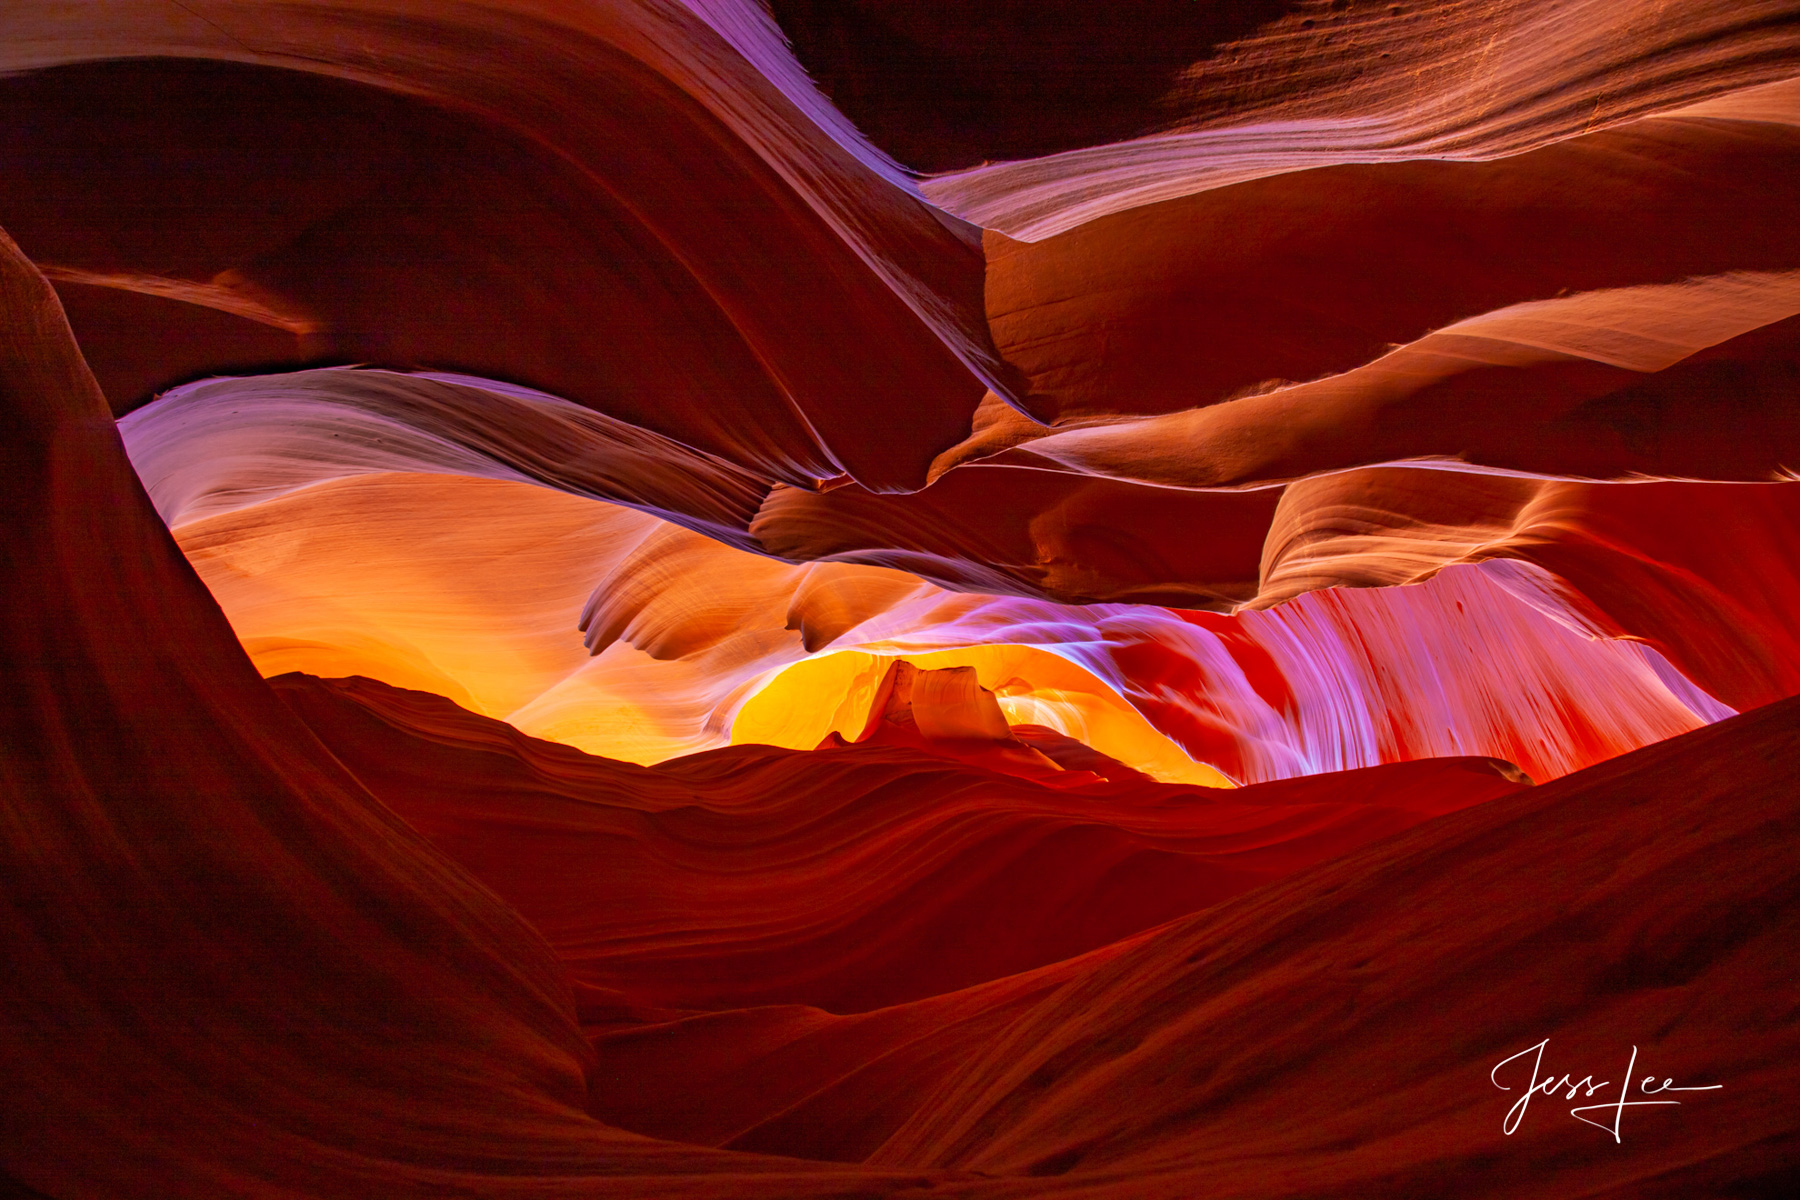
[1586, 1087]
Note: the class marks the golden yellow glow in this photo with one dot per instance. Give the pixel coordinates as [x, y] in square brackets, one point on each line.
[467, 588]
[800, 705]
[472, 589]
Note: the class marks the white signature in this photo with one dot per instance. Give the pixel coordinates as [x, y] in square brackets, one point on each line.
[1587, 1087]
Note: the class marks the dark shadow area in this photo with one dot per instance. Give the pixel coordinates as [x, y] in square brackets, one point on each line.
[946, 86]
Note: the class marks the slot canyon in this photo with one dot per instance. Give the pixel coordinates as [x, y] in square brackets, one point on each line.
[765, 599]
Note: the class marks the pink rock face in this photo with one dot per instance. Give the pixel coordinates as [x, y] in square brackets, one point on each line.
[573, 625]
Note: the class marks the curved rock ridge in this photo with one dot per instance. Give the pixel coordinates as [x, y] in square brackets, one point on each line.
[230, 965]
[1722, 618]
[367, 974]
[769, 889]
[753, 875]
[472, 588]
[1565, 273]
[579, 197]
[210, 448]
[1333, 960]
[474, 167]
[1703, 573]
[215, 448]
[1008, 1076]
[646, 208]
[777, 628]
[1622, 383]
[1354, 81]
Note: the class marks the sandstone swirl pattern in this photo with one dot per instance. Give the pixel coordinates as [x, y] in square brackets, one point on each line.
[698, 599]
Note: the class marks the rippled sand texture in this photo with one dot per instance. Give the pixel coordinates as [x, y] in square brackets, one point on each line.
[697, 599]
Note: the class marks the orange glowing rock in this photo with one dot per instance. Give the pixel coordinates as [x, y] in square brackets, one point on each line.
[947, 711]
[575, 626]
